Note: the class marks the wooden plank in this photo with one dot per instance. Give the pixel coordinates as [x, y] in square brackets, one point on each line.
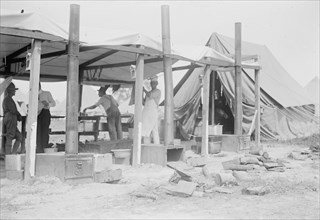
[136, 156]
[205, 111]
[29, 34]
[123, 64]
[72, 82]
[93, 60]
[167, 66]
[213, 88]
[131, 49]
[31, 141]
[17, 53]
[43, 56]
[238, 82]
[253, 122]
[257, 107]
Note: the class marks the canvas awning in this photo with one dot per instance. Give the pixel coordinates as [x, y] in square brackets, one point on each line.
[105, 55]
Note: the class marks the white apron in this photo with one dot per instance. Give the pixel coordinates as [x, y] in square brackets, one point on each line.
[150, 119]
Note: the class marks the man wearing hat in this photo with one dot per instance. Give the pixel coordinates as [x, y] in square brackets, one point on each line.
[10, 120]
[150, 111]
[110, 105]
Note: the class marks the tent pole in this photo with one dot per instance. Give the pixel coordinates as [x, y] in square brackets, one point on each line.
[72, 82]
[238, 81]
[205, 111]
[257, 106]
[213, 86]
[167, 66]
[136, 155]
[31, 141]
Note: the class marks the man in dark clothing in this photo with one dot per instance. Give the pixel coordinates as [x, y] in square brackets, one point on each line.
[10, 120]
[110, 105]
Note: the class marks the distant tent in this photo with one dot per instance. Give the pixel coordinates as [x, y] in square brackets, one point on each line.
[286, 111]
[313, 90]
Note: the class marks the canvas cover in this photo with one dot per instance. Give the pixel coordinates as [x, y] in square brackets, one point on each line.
[286, 111]
[105, 55]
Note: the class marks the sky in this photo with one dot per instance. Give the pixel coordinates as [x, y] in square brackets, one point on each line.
[290, 29]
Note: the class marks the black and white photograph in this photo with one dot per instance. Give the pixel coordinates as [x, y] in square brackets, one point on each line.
[159, 109]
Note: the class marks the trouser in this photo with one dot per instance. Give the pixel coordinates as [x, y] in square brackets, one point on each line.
[114, 126]
[155, 134]
[43, 124]
[11, 132]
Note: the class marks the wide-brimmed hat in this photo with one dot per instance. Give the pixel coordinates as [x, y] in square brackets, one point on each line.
[11, 87]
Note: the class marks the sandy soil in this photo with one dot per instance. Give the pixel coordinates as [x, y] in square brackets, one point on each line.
[294, 195]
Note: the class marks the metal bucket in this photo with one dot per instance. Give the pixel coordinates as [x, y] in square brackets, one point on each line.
[215, 147]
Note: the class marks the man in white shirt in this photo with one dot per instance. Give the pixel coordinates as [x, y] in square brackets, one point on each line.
[45, 102]
[150, 112]
[110, 105]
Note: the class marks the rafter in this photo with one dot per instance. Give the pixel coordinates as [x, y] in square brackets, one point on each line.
[113, 65]
[87, 63]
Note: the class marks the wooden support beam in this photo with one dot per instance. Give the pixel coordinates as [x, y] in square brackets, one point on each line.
[257, 107]
[205, 112]
[213, 88]
[72, 82]
[113, 65]
[31, 142]
[87, 63]
[43, 56]
[167, 66]
[190, 67]
[127, 48]
[17, 53]
[238, 82]
[136, 156]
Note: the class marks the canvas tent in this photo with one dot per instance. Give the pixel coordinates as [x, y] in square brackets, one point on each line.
[313, 90]
[285, 110]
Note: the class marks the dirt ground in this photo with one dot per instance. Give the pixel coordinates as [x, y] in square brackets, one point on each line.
[294, 194]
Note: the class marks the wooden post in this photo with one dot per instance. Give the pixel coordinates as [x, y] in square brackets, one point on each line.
[257, 106]
[213, 88]
[167, 66]
[238, 82]
[205, 112]
[136, 156]
[31, 141]
[72, 82]
[80, 89]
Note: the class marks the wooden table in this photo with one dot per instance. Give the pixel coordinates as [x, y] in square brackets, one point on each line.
[96, 126]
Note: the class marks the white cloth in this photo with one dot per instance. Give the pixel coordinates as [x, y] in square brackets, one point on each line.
[45, 96]
[150, 116]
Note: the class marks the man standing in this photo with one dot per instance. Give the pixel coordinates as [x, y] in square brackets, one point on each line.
[45, 102]
[110, 105]
[150, 111]
[10, 120]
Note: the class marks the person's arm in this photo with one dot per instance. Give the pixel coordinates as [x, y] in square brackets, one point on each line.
[93, 106]
[90, 107]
